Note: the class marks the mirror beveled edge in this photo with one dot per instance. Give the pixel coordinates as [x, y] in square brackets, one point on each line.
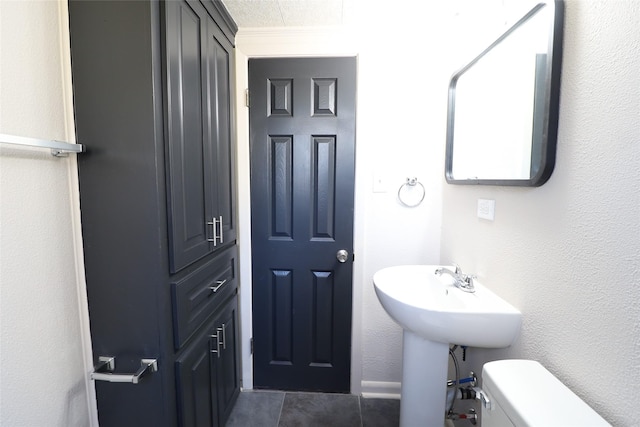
[548, 143]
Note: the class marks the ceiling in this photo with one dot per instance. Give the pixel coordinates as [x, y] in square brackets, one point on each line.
[288, 13]
[319, 13]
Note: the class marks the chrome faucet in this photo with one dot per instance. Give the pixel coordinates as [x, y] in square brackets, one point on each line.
[460, 280]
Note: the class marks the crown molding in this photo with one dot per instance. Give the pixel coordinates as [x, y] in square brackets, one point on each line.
[296, 40]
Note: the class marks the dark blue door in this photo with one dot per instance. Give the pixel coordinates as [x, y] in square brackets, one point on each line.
[302, 123]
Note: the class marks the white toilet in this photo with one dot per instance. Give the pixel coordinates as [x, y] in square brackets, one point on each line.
[522, 393]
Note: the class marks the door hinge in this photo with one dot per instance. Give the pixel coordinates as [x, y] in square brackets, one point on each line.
[251, 344]
[246, 97]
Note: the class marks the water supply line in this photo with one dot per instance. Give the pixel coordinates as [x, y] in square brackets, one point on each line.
[457, 380]
[454, 391]
[472, 417]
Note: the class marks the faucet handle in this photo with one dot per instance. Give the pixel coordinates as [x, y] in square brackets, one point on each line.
[469, 278]
[457, 269]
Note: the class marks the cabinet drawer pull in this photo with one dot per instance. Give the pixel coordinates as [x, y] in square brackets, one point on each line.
[219, 284]
[104, 371]
[221, 235]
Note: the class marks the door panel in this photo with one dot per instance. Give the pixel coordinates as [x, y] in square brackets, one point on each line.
[281, 187]
[302, 119]
[323, 164]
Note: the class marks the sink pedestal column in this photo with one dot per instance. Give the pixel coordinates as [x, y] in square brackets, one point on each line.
[424, 381]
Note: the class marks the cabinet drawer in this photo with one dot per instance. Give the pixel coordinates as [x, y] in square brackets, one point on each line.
[198, 295]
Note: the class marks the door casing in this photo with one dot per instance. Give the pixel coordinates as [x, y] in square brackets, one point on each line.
[287, 43]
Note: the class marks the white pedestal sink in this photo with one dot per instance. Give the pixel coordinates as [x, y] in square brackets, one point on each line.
[434, 314]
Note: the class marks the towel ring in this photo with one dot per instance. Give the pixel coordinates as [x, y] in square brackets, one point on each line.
[407, 188]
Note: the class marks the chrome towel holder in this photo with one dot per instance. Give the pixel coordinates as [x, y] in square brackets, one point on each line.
[408, 191]
[107, 364]
[58, 148]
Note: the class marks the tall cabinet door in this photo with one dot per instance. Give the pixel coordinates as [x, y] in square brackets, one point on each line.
[200, 174]
[218, 53]
[190, 148]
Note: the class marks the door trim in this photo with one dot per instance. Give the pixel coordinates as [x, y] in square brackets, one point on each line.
[286, 43]
[76, 220]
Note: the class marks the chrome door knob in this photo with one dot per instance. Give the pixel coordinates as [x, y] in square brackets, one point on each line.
[342, 255]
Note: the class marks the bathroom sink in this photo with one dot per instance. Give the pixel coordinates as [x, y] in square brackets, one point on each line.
[434, 313]
[434, 309]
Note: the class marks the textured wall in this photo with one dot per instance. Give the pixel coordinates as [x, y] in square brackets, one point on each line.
[399, 136]
[42, 370]
[567, 254]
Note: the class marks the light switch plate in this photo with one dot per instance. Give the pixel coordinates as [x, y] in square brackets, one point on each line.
[486, 209]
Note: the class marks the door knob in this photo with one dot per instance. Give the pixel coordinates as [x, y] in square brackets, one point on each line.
[342, 255]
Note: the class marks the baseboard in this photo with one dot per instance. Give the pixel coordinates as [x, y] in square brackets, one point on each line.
[380, 390]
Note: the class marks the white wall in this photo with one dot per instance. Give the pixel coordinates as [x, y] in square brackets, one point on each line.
[567, 254]
[42, 302]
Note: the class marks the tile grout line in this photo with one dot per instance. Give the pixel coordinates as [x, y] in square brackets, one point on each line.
[284, 396]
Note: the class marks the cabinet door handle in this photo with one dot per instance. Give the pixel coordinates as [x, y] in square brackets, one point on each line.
[224, 335]
[213, 231]
[217, 350]
[219, 284]
[217, 235]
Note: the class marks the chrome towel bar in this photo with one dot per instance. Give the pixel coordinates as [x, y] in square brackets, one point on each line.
[58, 148]
[103, 372]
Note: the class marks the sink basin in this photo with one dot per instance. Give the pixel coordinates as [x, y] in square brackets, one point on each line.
[433, 308]
[434, 314]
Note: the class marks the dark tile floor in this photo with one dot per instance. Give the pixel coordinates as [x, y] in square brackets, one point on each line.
[297, 409]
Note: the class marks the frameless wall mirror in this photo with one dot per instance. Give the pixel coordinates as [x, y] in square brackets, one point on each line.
[502, 116]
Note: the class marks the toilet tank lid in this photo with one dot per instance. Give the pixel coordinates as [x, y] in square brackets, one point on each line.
[532, 397]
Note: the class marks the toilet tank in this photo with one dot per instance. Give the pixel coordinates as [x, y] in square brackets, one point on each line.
[523, 393]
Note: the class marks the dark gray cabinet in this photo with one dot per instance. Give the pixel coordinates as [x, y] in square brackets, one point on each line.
[152, 100]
